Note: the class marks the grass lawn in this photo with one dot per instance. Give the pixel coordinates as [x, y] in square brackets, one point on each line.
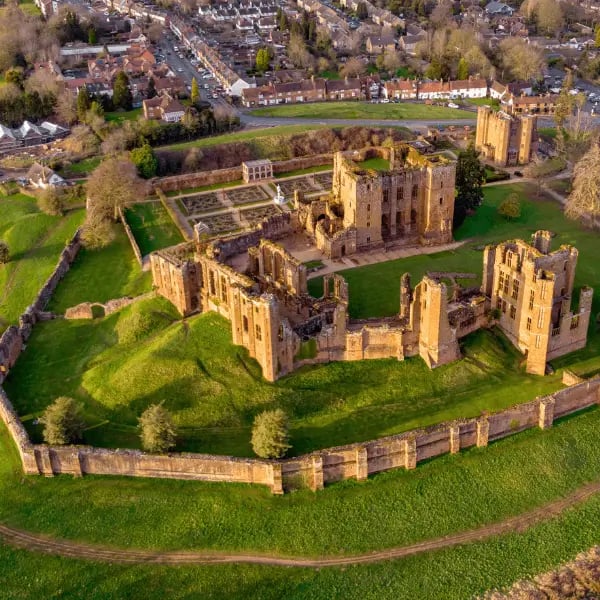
[204, 188]
[120, 115]
[82, 168]
[100, 275]
[306, 171]
[242, 136]
[362, 110]
[549, 132]
[152, 227]
[493, 102]
[562, 186]
[35, 241]
[443, 496]
[377, 164]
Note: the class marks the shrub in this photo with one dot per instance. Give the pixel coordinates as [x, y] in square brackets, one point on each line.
[270, 434]
[62, 421]
[4, 253]
[157, 431]
[510, 207]
[50, 201]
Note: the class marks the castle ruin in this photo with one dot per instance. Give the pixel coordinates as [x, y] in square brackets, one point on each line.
[506, 140]
[410, 204]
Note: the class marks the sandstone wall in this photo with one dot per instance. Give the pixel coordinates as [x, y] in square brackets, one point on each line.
[13, 339]
[85, 309]
[131, 237]
[303, 162]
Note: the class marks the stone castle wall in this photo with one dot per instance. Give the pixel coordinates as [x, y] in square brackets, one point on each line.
[314, 470]
[14, 338]
[131, 237]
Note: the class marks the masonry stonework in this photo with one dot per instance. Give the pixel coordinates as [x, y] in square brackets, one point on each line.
[506, 140]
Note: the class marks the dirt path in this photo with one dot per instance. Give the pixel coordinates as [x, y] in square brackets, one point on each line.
[39, 543]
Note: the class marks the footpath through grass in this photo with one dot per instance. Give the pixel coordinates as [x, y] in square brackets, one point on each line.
[152, 227]
[363, 110]
[35, 241]
[443, 496]
[100, 275]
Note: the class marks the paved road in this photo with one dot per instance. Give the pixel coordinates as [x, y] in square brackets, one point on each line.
[41, 543]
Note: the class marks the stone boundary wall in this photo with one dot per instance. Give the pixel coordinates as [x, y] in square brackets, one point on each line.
[176, 216]
[14, 338]
[202, 178]
[131, 237]
[314, 470]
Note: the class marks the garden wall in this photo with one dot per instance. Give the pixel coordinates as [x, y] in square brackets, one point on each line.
[202, 178]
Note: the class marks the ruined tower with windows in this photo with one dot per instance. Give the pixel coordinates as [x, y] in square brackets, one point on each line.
[504, 139]
[531, 289]
[412, 203]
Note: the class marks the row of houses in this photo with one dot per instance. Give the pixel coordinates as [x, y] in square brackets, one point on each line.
[314, 89]
[379, 16]
[29, 134]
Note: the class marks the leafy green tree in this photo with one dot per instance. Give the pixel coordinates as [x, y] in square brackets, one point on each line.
[4, 253]
[469, 180]
[195, 93]
[262, 60]
[157, 431]
[121, 93]
[463, 69]
[145, 160]
[50, 201]
[270, 438]
[510, 207]
[83, 102]
[62, 421]
[597, 36]
[92, 36]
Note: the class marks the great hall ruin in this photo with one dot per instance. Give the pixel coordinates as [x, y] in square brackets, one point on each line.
[255, 282]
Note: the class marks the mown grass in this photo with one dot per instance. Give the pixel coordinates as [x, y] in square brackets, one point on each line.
[362, 110]
[35, 241]
[82, 167]
[378, 164]
[100, 275]
[214, 390]
[443, 496]
[152, 227]
[120, 115]
[204, 188]
[242, 136]
[306, 171]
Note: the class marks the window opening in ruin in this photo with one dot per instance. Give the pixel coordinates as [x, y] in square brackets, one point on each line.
[515, 289]
[415, 191]
[280, 334]
[245, 323]
[528, 323]
[441, 201]
[224, 289]
[413, 216]
[513, 312]
[400, 194]
[531, 299]
[211, 283]
[258, 333]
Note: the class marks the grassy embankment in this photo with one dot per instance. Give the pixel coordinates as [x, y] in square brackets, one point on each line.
[449, 494]
[35, 241]
[363, 110]
[214, 390]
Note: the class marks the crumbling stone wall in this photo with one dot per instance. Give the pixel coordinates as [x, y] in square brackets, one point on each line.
[85, 310]
[13, 339]
[134, 245]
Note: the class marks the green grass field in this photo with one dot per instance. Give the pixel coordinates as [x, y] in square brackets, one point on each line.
[243, 136]
[152, 227]
[362, 110]
[35, 241]
[443, 496]
[306, 171]
[214, 390]
[100, 275]
[377, 164]
[119, 116]
[82, 168]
